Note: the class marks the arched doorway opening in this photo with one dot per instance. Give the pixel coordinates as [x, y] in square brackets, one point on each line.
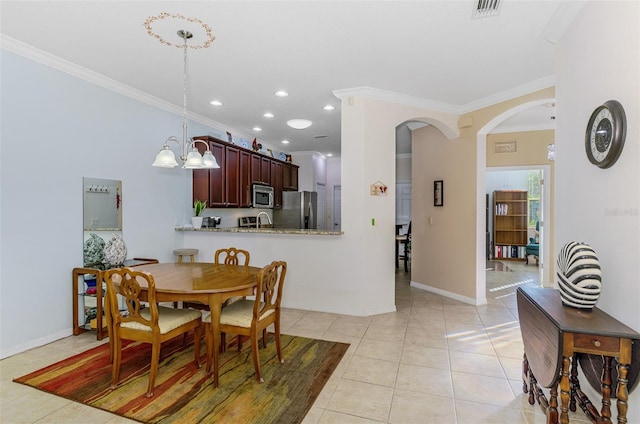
[481, 200]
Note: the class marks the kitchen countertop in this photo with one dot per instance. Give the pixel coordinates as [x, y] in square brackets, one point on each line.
[263, 231]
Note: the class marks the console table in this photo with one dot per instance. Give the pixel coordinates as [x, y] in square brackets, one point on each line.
[553, 334]
[76, 293]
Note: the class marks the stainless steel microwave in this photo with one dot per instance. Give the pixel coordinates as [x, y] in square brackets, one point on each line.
[262, 196]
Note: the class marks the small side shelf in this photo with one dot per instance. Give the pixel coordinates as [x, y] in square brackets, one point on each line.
[79, 292]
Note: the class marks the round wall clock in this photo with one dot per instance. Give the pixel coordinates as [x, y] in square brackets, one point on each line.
[606, 131]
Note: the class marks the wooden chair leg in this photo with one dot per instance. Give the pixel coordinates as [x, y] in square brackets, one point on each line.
[223, 343]
[239, 338]
[155, 359]
[117, 356]
[197, 337]
[256, 355]
[264, 338]
[278, 345]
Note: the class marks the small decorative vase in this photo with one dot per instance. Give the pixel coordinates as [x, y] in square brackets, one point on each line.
[115, 252]
[196, 221]
[579, 276]
[94, 251]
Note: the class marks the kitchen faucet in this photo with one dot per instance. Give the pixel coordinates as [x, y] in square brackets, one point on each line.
[258, 218]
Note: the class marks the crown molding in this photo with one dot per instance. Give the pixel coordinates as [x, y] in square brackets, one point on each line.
[537, 85]
[55, 62]
[374, 93]
[393, 97]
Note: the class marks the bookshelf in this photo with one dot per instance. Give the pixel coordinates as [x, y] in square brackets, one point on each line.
[510, 225]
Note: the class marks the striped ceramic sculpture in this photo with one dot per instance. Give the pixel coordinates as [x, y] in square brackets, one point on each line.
[579, 277]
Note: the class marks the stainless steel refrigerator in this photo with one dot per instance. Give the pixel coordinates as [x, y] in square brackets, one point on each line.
[299, 210]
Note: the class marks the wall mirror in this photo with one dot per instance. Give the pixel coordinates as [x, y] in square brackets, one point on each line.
[102, 204]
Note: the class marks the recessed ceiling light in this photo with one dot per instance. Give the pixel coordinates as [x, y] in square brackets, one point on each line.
[285, 142]
[268, 115]
[257, 129]
[299, 124]
[329, 107]
[216, 102]
[281, 93]
[329, 154]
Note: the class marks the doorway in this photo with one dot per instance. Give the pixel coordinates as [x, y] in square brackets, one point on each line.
[337, 208]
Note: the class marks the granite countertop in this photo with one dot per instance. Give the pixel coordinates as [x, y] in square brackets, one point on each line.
[263, 231]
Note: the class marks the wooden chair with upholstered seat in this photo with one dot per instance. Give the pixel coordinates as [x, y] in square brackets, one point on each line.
[229, 256]
[232, 256]
[252, 317]
[153, 324]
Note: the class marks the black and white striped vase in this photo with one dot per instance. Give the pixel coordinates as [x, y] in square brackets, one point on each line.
[579, 276]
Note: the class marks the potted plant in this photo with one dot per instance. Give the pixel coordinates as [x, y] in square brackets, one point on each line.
[198, 207]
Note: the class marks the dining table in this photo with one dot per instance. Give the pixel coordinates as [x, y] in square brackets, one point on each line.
[203, 282]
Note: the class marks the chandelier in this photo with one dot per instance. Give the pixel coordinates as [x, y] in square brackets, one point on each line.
[189, 154]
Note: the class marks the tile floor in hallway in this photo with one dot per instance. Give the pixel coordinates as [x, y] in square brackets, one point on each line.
[435, 360]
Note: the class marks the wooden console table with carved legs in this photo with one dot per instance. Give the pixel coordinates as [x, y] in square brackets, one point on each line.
[553, 335]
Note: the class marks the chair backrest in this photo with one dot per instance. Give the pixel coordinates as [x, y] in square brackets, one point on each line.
[232, 256]
[128, 286]
[269, 289]
[409, 232]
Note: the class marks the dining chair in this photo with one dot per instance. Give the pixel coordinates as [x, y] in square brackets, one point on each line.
[150, 324]
[252, 317]
[405, 240]
[229, 256]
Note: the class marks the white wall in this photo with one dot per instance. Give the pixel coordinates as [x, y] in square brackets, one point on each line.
[57, 129]
[601, 206]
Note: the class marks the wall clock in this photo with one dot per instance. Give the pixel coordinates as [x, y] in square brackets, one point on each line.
[606, 131]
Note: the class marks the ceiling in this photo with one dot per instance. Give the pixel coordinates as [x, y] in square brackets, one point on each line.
[431, 52]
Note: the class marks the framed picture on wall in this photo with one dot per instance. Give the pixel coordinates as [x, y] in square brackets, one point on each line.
[438, 193]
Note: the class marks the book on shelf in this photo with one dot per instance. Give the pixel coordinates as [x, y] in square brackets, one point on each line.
[502, 209]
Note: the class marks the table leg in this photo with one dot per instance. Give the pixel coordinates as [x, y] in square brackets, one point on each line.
[605, 412]
[575, 383]
[553, 403]
[215, 306]
[525, 373]
[564, 390]
[622, 392]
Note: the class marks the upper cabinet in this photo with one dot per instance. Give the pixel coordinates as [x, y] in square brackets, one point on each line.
[230, 185]
[219, 186]
[289, 177]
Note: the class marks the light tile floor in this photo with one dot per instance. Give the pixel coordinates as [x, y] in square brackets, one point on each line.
[434, 360]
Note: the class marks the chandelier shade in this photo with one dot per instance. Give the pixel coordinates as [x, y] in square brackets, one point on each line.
[189, 154]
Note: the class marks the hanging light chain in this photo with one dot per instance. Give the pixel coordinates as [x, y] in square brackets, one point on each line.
[185, 141]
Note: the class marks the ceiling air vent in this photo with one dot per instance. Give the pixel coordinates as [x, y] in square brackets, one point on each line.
[486, 8]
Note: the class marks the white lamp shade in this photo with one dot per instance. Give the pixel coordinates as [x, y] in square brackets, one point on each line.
[165, 158]
[209, 160]
[194, 160]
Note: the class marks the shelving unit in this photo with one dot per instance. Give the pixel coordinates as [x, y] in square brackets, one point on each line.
[510, 224]
[81, 297]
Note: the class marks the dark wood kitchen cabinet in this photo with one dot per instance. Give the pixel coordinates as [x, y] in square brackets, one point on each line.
[244, 176]
[220, 187]
[260, 169]
[289, 177]
[276, 182]
[230, 185]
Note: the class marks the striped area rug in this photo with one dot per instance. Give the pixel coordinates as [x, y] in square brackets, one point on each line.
[185, 394]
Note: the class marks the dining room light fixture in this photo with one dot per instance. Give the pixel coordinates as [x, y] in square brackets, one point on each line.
[189, 154]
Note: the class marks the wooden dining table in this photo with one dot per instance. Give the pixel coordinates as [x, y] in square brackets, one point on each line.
[206, 283]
